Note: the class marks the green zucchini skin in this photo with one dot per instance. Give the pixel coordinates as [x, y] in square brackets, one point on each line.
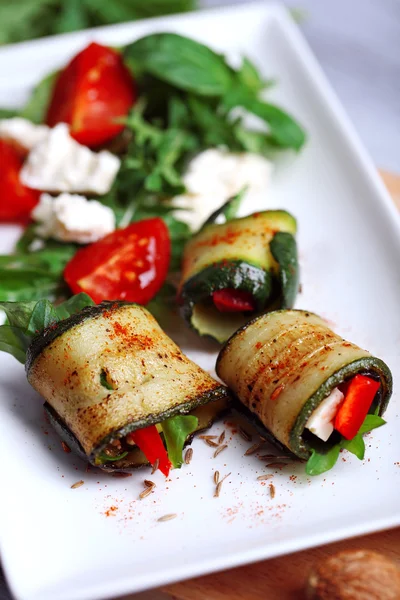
[261, 259]
[273, 352]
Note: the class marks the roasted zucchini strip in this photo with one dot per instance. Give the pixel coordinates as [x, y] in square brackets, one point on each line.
[110, 370]
[255, 255]
[282, 365]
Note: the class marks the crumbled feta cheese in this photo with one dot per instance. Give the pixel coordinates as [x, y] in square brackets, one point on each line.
[214, 176]
[59, 164]
[72, 218]
[321, 421]
[22, 133]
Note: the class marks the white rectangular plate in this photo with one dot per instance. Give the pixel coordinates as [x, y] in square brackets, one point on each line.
[99, 540]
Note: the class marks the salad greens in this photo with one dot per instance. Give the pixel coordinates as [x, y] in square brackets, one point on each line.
[27, 319]
[176, 431]
[37, 18]
[321, 461]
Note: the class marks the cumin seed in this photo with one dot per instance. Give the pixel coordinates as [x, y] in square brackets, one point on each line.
[146, 492]
[188, 455]
[253, 448]
[264, 477]
[221, 437]
[245, 435]
[276, 465]
[207, 437]
[273, 457]
[167, 517]
[219, 450]
[216, 477]
[211, 443]
[149, 484]
[77, 484]
[155, 466]
[218, 489]
[272, 490]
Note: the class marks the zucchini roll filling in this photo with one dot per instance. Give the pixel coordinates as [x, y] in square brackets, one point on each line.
[237, 269]
[118, 390]
[310, 390]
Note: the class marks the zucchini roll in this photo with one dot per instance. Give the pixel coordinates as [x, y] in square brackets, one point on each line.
[308, 389]
[118, 389]
[237, 269]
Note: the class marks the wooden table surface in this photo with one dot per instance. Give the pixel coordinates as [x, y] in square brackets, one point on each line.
[281, 578]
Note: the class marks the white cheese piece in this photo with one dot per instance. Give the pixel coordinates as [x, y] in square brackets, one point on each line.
[72, 218]
[59, 164]
[321, 421]
[22, 133]
[214, 176]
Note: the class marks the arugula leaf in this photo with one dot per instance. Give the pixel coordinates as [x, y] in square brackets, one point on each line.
[181, 62]
[73, 305]
[176, 431]
[36, 107]
[228, 210]
[13, 342]
[320, 462]
[249, 76]
[356, 446]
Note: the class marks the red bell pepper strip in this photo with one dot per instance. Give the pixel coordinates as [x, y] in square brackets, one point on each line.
[151, 444]
[356, 404]
[229, 300]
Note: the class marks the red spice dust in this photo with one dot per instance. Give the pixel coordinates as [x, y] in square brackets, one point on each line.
[65, 447]
[110, 512]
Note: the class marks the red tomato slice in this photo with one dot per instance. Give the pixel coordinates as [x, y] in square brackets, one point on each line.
[230, 300]
[129, 264]
[90, 93]
[359, 396]
[16, 200]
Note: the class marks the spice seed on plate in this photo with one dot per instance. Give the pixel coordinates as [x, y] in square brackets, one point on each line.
[216, 477]
[221, 437]
[77, 484]
[253, 448]
[218, 489]
[167, 517]
[276, 465]
[272, 490]
[274, 457]
[146, 492]
[211, 443]
[149, 483]
[207, 437]
[245, 435]
[219, 450]
[264, 477]
[188, 455]
[155, 466]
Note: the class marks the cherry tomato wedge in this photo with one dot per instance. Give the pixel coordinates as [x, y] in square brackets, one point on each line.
[128, 264]
[90, 93]
[16, 200]
[358, 398]
[151, 444]
[230, 300]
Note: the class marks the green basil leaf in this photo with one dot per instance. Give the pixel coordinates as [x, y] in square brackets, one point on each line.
[319, 462]
[249, 76]
[43, 315]
[356, 446]
[74, 305]
[176, 431]
[371, 422]
[181, 62]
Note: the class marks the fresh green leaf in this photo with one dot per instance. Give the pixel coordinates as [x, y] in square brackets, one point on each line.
[13, 342]
[176, 431]
[181, 62]
[284, 250]
[104, 381]
[8, 113]
[228, 210]
[250, 77]
[103, 458]
[73, 305]
[371, 422]
[28, 283]
[36, 107]
[320, 462]
[356, 446]
[163, 304]
[43, 315]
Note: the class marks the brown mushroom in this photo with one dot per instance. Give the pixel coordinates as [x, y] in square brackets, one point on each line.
[355, 575]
